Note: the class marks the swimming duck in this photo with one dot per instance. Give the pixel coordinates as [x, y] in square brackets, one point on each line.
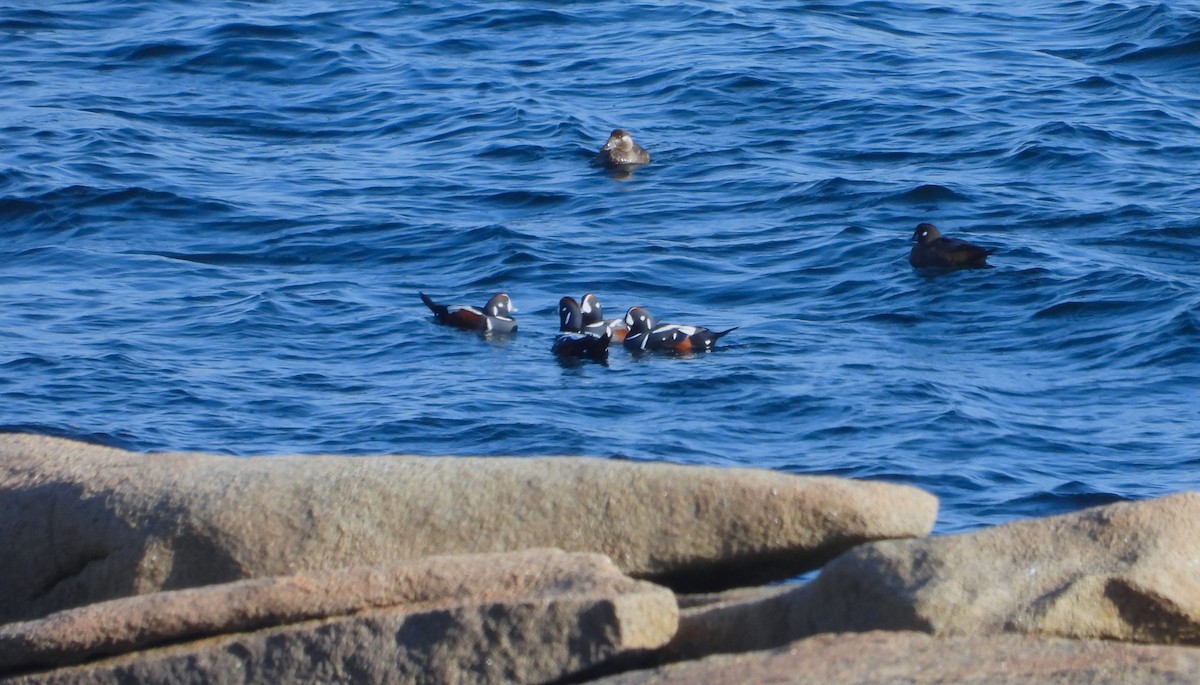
[645, 334]
[933, 250]
[577, 339]
[593, 315]
[621, 151]
[495, 317]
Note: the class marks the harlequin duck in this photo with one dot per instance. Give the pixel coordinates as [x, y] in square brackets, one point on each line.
[932, 250]
[495, 317]
[577, 339]
[645, 334]
[594, 315]
[621, 151]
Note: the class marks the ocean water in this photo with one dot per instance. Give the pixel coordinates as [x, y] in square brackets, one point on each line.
[216, 218]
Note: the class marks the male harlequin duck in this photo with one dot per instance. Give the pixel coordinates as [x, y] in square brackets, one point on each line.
[593, 315]
[621, 151]
[645, 334]
[495, 317]
[577, 339]
[932, 250]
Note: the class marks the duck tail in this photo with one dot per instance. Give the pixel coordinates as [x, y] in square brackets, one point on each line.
[437, 309]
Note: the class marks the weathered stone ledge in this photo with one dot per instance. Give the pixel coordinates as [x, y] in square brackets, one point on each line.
[334, 569]
[522, 617]
[892, 658]
[95, 523]
[415, 587]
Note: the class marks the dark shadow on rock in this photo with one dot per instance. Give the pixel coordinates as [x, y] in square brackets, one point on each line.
[67, 548]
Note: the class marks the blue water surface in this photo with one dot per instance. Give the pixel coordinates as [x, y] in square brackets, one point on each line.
[216, 218]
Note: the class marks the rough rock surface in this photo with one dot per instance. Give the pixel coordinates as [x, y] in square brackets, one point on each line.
[1126, 571]
[523, 617]
[742, 620]
[93, 523]
[889, 658]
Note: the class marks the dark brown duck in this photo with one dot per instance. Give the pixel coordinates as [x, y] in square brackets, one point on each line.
[932, 250]
[621, 151]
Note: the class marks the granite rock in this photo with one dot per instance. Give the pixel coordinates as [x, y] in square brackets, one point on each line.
[93, 523]
[1125, 571]
[535, 616]
[741, 620]
[891, 658]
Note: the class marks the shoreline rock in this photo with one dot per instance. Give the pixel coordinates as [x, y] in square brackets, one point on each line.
[1124, 571]
[335, 569]
[887, 658]
[95, 523]
[524, 617]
